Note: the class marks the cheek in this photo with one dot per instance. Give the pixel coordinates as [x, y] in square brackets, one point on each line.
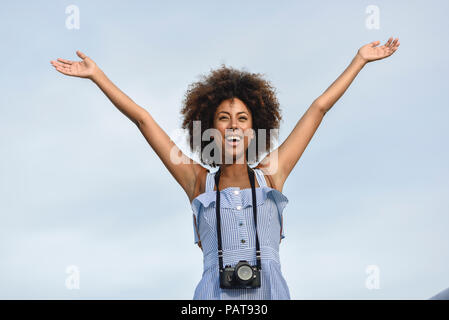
[218, 131]
[249, 134]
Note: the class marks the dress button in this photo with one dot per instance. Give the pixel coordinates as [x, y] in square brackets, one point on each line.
[242, 241]
[236, 192]
[241, 224]
[239, 207]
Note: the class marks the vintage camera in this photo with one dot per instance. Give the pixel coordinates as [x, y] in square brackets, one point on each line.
[242, 276]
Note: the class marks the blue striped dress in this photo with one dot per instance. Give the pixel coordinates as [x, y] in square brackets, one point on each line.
[239, 240]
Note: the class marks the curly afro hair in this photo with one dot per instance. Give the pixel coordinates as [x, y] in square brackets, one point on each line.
[203, 97]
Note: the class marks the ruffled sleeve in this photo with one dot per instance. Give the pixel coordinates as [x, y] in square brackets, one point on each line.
[281, 201]
[196, 210]
[200, 202]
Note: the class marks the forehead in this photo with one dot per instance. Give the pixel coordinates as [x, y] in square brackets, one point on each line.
[232, 106]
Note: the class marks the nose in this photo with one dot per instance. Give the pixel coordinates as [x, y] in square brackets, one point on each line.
[234, 129]
[234, 125]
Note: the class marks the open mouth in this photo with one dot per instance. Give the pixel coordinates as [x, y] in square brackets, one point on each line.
[233, 140]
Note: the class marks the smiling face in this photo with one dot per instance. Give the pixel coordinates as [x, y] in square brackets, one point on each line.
[234, 122]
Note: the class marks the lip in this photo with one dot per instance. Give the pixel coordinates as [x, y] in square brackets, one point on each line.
[234, 135]
[233, 143]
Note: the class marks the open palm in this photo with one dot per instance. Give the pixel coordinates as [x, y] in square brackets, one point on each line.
[371, 51]
[83, 69]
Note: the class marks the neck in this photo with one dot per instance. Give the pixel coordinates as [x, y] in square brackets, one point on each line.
[234, 171]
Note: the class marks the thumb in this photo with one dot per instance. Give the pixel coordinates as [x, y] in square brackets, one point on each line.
[81, 55]
[375, 43]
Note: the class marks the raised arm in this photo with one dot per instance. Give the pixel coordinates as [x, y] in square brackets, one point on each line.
[184, 169]
[292, 148]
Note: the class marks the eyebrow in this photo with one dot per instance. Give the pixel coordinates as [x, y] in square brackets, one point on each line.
[229, 113]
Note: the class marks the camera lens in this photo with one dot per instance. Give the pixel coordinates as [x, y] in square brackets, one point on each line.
[245, 272]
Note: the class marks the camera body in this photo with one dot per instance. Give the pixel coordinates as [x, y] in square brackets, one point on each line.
[242, 276]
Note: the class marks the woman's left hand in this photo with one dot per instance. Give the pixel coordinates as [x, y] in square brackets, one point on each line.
[370, 52]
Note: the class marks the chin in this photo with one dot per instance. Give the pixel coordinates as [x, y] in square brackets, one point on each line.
[234, 157]
[233, 153]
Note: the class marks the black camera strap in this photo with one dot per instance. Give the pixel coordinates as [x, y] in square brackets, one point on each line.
[217, 206]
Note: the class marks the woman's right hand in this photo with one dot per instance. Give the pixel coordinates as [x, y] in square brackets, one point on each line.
[83, 69]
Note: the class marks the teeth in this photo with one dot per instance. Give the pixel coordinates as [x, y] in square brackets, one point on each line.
[230, 138]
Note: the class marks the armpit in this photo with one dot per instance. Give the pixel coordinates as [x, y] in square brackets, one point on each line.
[268, 178]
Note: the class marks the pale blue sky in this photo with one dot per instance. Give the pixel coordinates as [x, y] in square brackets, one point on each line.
[80, 185]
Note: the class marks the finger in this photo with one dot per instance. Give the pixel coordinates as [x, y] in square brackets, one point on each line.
[388, 42]
[65, 71]
[61, 68]
[55, 63]
[59, 64]
[393, 44]
[396, 47]
[81, 55]
[65, 61]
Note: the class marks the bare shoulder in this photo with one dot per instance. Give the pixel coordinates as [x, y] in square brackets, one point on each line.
[273, 175]
[200, 181]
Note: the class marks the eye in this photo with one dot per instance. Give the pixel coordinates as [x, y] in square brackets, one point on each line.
[242, 118]
[223, 117]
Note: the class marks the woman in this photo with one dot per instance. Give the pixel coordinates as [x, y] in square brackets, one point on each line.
[235, 106]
